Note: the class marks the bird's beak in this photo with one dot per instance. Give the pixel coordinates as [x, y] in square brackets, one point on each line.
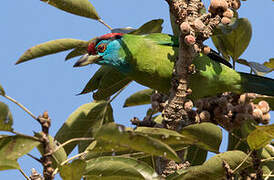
[86, 59]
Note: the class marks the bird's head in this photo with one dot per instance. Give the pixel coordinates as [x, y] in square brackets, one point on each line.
[103, 50]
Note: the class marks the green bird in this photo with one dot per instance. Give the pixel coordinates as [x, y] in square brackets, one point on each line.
[149, 60]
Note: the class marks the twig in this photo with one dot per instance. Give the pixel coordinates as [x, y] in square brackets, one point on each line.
[24, 174]
[153, 162]
[237, 137]
[105, 24]
[24, 135]
[35, 158]
[268, 159]
[21, 106]
[242, 162]
[70, 141]
[267, 176]
[237, 144]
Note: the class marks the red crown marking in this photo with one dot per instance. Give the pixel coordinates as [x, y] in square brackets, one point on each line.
[92, 44]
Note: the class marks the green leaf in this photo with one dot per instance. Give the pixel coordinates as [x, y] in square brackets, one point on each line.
[107, 81]
[243, 61]
[2, 92]
[109, 85]
[261, 136]
[13, 147]
[123, 30]
[167, 136]
[208, 136]
[139, 98]
[6, 120]
[267, 153]
[50, 47]
[117, 134]
[113, 167]
[195, 155]
[80, 7]
[80, 50]
[213, 168]
[73, 171]
[158, 119]
[234, 143]
[153, 26]
[226, 29]
[105, 148]
[205, 135]
[257, 68]
[235, 42]
[94, 82]
[270, 149]
[76, 52]
[58, 156]
[84, 120]
[8, 164]
[270, 64]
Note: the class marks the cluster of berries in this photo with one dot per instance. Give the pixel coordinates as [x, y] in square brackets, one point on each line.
[221, 7]
[198, 29]
[230, 110]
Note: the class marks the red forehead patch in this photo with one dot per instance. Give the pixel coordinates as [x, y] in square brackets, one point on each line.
[92, 44]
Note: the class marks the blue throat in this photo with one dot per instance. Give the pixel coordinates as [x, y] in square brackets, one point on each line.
[112, 57]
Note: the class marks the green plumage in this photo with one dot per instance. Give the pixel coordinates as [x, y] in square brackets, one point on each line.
[149, 60]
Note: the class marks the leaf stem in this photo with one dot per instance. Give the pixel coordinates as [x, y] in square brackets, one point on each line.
[234, 64]
[105, 24]
[35, 158]
[24, 135]
[70, 141]
[21, 106]
[73, 157]
[24, 174]
[64, 162]
[241, 163]
[109, 101]
[268, 159]
[153, 162]
[268, 175]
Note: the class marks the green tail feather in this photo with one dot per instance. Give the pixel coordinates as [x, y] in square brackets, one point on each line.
[257, 84]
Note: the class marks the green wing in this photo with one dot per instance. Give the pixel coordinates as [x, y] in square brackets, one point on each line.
[163, 39]
[152, 57]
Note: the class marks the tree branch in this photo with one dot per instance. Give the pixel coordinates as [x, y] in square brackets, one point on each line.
[195, 27]
[174, 114]
[46, 159]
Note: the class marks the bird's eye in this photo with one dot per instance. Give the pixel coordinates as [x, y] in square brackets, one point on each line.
[101, 48]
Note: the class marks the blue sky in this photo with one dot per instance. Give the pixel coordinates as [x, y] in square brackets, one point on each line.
[51, 84]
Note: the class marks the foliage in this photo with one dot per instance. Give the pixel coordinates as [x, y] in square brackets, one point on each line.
[111, 151]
